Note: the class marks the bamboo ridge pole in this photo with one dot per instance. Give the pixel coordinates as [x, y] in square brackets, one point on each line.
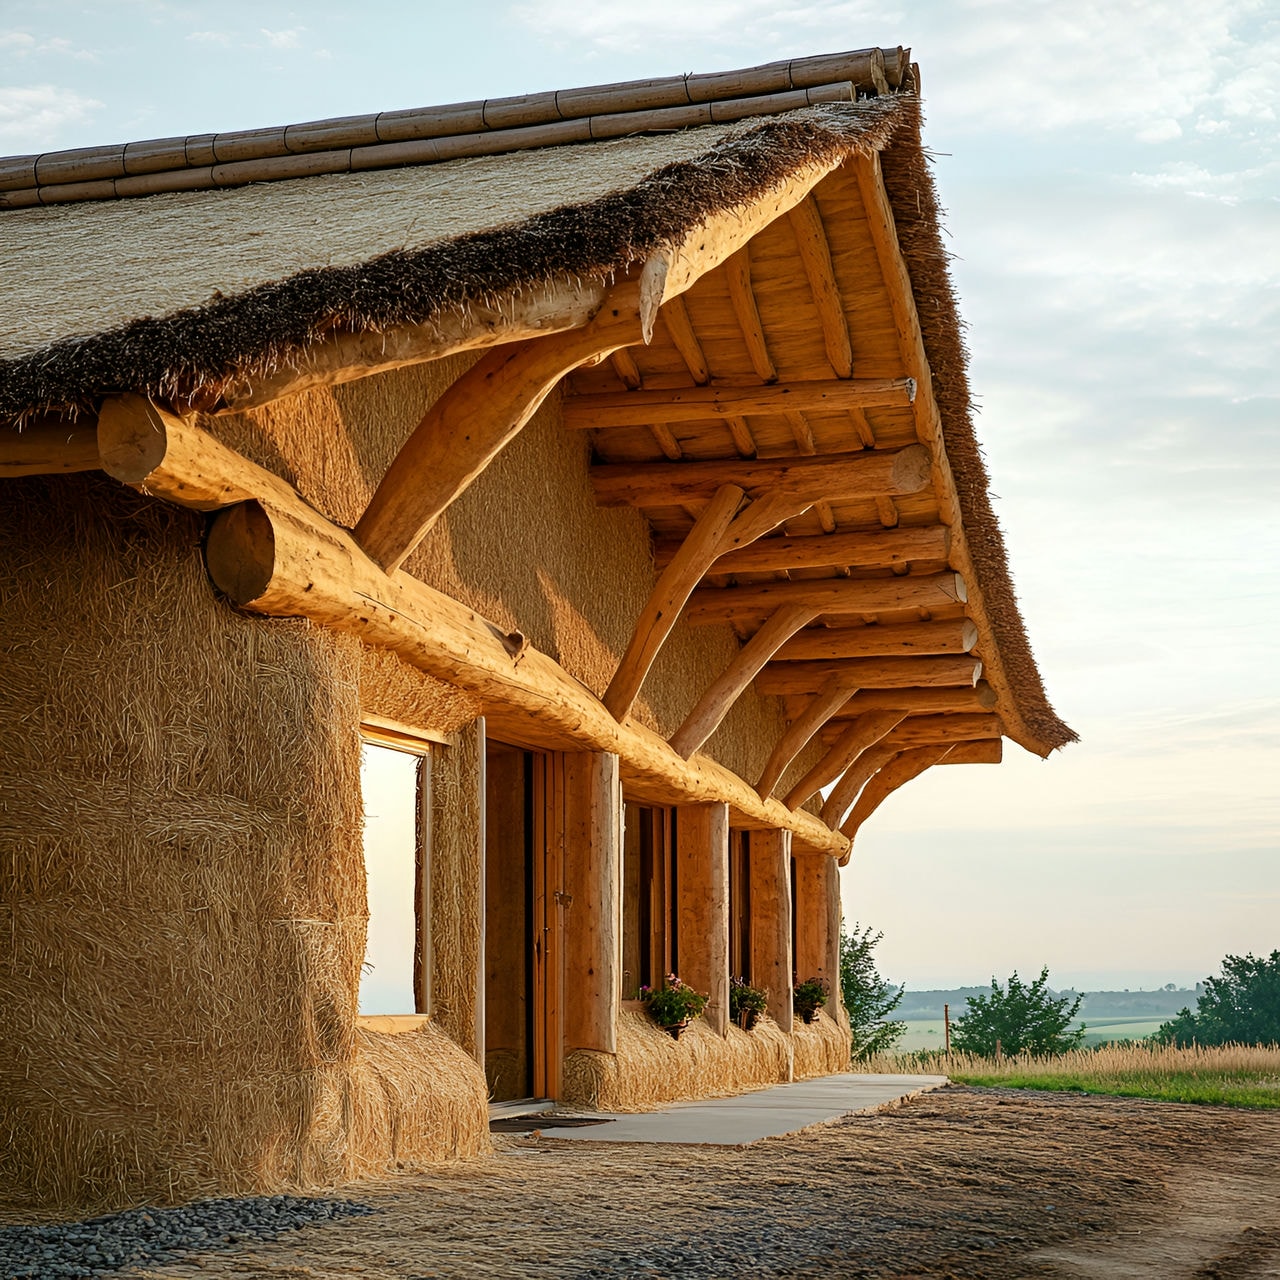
[867, 70]
[28, 181]
[720, 399]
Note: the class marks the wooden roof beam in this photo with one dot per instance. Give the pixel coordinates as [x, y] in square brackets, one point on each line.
[720, 399]
[910, 639]
[943, 701]
[815, 255]
[717, 701]
[826, 477]
[854, 739]
[468, 426]
[980, 751]
[829, 551]
[49, 446]
[833, 695]
[872, 673]
[721, 526]
[833, 596]
[924, 730]
[743, 300]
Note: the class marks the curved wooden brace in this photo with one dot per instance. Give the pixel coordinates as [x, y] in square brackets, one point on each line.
[468, 426]
[715, 704]
[720, 528]
[829, 699]
[862, 733]
[846, 790]
[901, 769]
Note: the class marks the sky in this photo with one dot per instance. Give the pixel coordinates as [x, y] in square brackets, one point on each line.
[1111, 173]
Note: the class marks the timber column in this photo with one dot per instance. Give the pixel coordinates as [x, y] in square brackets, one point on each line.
[593, 881]
[769, 860]
[818, 922]
[702, 905]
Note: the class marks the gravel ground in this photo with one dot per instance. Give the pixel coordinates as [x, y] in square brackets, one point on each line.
[965, 1183]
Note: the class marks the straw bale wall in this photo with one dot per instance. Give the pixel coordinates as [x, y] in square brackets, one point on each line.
[651, 1069]
[457, 887]
[181, 882]
[524, 545]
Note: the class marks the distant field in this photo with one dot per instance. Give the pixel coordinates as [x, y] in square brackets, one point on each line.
[930, 1033]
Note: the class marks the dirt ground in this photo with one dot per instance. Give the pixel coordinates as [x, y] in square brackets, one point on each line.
[988, 1183]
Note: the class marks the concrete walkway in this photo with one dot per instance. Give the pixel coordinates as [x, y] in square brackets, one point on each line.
[740, 1121]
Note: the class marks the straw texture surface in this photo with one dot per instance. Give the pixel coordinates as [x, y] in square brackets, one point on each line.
[182, 882]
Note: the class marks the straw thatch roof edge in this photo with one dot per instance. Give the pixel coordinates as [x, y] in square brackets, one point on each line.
[918, 217]
[178, 356]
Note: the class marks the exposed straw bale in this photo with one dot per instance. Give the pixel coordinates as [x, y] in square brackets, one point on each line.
[415, 1097]
[390, 687]
[457, 886]
[181, 876]
[651, 1069]
[822, 1047]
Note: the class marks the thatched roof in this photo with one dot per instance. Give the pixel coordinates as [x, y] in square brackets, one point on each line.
[178, 295]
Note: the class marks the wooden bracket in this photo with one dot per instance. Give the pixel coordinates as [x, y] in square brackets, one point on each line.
[859, 734]
[901, 769]
[469, 425]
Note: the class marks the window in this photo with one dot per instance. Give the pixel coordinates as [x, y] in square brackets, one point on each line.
[648, 898]
[395, 781]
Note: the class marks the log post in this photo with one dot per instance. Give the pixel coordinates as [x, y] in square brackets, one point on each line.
[593, 882]
[702, 905]
[818, 921]
[769, 862]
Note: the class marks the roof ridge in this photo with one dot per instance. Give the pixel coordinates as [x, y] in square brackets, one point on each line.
[430, 134]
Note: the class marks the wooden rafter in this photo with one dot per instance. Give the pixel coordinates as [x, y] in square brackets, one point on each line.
[743, 300]
[829, 476]
[624, 365]
[741, 435]
[49, 447]
[466, 428]
[720, 399]
[720, 527]
[835, 596]
[675, 314]
[833, 695]
[856, 737]
[873, 673]
[801, 432]
[980, 751]
[897, 772]
[815, 255]
[930, 543]
[907, 639]
[717, 701]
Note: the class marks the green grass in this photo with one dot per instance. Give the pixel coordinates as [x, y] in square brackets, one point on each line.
[1229, 1075]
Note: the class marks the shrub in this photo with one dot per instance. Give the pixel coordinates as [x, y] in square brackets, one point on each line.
[674, 1002]
[810, 996]
[1020, 1018]
[1240, 1007]
[868, 998]
[746, 999]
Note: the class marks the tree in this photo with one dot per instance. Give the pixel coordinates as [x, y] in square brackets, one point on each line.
[1020, 1018]
[868, 998]
[1240, 1007]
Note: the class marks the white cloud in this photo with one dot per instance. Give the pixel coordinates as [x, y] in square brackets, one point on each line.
[283, 39]
[210, 37]
[18, 42]
[38, 114]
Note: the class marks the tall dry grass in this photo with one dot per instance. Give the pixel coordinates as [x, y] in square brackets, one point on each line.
[1234, 1074]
